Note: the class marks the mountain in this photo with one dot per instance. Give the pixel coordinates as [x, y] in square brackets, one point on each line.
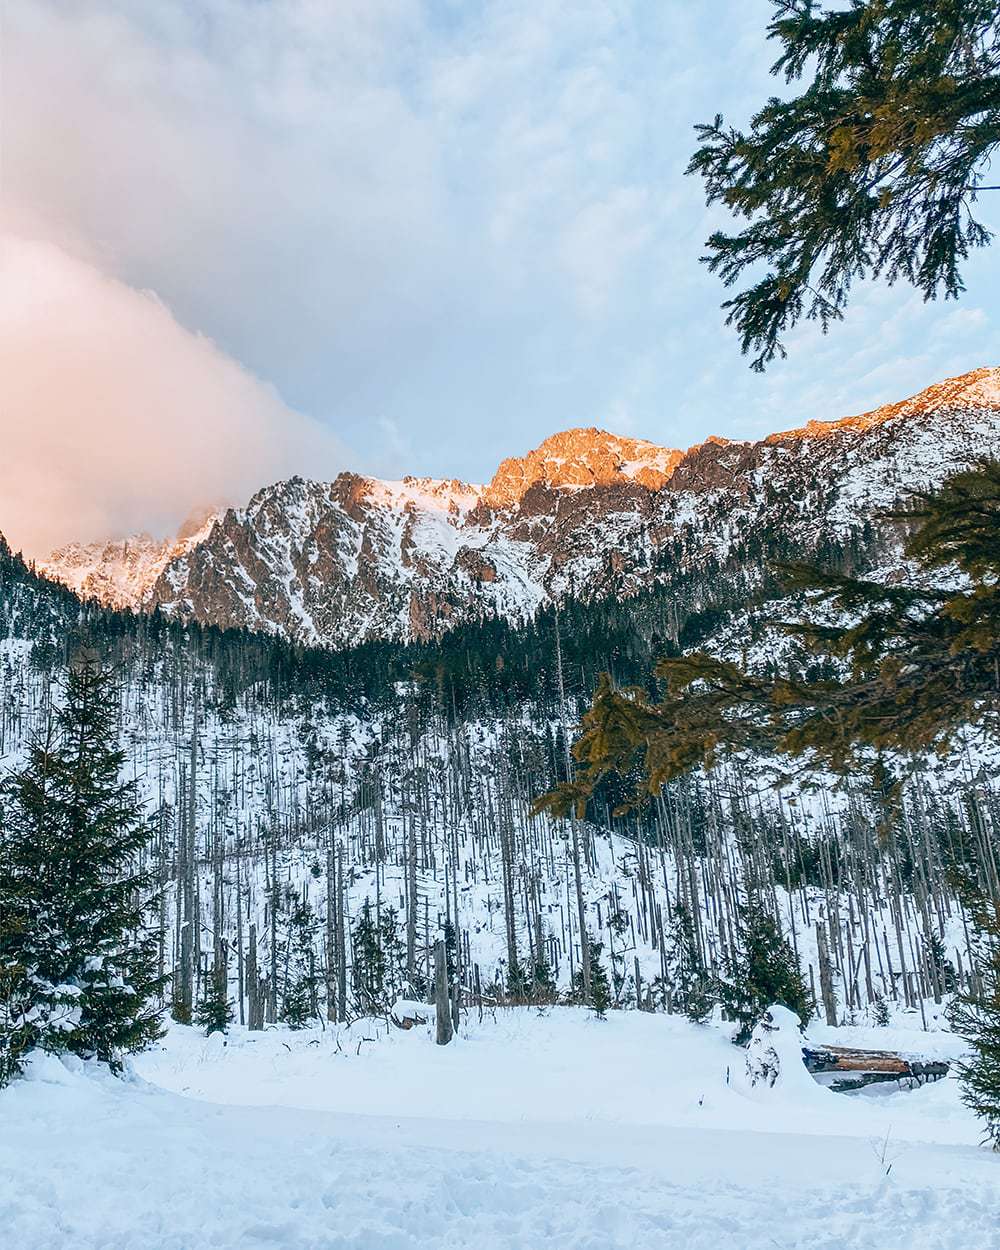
[586, 514]
[121, 573]
[298, 794]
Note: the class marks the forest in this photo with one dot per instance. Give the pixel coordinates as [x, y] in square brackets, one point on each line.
[320, 818]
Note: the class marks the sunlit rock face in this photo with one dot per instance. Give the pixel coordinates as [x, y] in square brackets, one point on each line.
[587, 513]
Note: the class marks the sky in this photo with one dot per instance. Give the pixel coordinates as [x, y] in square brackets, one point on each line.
[248, 238]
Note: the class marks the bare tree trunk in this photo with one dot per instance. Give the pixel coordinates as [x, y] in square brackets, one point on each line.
[332, 952]
[255, 996]
[825, 974]
[240, 968]
[184, 998]
[341, 940]
[411, 899]
[581, 911]
[575, 827]
[442, 999]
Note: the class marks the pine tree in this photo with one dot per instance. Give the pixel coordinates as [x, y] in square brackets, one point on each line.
[686, 989]
[300, 1000]
[368, 968]
[763, 972]
[17, 1013]
[394, 958]
[543, 982]
[880, 1012]
[976, 1017]
[379, 964]
[450, 948]
[873, 170]
[296, 1005]
[518, 989]
[915, 664]
[214, 1013]
[936, 958]
[74, 900]
[600, 987]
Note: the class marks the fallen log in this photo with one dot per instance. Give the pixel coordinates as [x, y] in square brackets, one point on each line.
[865, 1067]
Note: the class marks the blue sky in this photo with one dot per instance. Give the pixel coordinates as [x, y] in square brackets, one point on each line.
[439, 231]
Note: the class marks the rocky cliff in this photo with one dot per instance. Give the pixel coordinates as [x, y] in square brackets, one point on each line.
[586, 513]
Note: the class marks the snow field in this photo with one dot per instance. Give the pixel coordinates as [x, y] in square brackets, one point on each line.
[530, 1132]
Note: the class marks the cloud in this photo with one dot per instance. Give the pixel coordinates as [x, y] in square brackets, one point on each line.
[114, 417]
[601, 240]
[259, 165]
[399, 209]
[464, 222]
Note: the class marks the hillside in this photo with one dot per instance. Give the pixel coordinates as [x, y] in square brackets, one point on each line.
[295, 791]
[321, 818]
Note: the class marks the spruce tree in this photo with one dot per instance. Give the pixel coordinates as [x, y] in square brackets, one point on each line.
[975, 1016]
[518, 981]
[543, 983]
[880, 1012]
[911, 665]
[872, 170]
[379, 964]
[450, 949]
[600, 987]
[394, 957]
[300, 1001]
[763, 972]
[686, 989]
[17, 1013]
[368, 967]
[214, 1012]
[75, 900]
[297, 1006]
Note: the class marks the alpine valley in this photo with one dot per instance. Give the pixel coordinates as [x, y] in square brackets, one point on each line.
[355, 689]
[338, 705]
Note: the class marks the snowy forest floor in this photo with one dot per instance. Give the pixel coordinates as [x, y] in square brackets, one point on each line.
[532, 1131]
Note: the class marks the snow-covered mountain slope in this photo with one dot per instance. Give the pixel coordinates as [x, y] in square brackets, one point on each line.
[122, 573]
[587, 514]
[274, 789]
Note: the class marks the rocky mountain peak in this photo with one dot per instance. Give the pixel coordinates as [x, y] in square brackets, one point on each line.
[579, 458]
[587, 513]
[121, 573]
[447, 495]
[975, 391]
[198, 521]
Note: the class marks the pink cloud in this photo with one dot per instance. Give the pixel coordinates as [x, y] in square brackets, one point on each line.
[114, 417]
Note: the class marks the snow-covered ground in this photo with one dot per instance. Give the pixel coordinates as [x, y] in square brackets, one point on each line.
[532, 1131]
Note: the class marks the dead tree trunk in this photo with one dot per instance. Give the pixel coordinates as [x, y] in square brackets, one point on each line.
[332, 952]
[442, 999]
[255, 991]
[825, 975]
[574, 827]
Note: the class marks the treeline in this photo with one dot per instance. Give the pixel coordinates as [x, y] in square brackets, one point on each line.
[483, 669]
[285, 886]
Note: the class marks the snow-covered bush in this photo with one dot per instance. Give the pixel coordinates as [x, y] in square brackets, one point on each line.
[774, 1052]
